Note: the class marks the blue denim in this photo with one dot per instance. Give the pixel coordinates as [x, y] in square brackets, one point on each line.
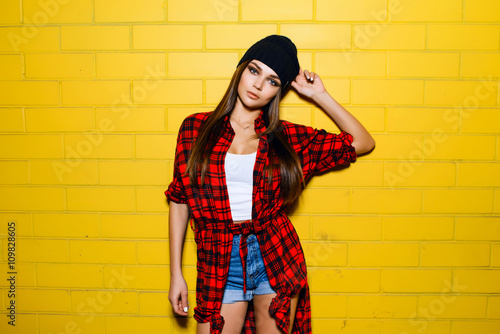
[256, 276]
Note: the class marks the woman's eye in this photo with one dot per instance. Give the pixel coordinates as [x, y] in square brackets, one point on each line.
[253, 70]
[273, 82]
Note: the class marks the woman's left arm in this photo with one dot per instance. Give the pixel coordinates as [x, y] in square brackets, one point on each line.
[310, 85]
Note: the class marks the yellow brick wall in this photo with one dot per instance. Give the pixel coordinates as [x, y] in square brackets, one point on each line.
[92, 92]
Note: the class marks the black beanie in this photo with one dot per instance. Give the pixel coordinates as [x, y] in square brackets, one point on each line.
[279, 53]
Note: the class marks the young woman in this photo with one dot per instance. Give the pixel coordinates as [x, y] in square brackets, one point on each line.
[236, 171]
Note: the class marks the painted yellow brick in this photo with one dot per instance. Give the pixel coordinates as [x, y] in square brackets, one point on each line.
[98, 199]
[29, 92]
[497, 201]
[25, 323]
[351, 64]
[385, 36]
[84, 301]
[328, 306]
[168, 92]
[95, 92]
[154, 303]
[481, 10]
[421, 120]
[477, 228]
[480, 64]
[416, 280]
[318, 36]
[134, 277]
[59, 119]
[202, 11]
[189, 256]
[417, 228]
[66, 225]
[460, 93]
[299, 115]
[151, 199]
[11, 67]
[134, 226]
[30, 146]
[129, 11]
[153, 252]
[357, 10]
[383, 254]
[95, 37]
[302, 225]
[419, 174]
[325, 254]
[123, 324]
[31, 198]
[425, 10]
[49, 12]
[27, 279]
[346, 228]
[462, 37]
[386, 201]
[101, 199]
[372, 118]
[495, 258]
[470, 327]
[64, 65]
[462, 147]
[148, 66]
[494, 307]
[343, 280]
[14, 172]
[383, 306]
[480, 121]
[478, 175]
[11, 120]
[341, 87]
[23, 223]
[478, 281]
[312, 201]
[278, 10]
[402, 326]
[196, 65]
[29, 38]
[452, 306]
[237, 36]
[365, 91]
[69, 275]
[155, 146]
[131, 119]
[97, 145]
[168, 37]
[215, 89]
[91, 251]
[455, 254]
[362, 174]
[42, 300]
[52, 323]
[347, 326]
[458, 200]
[133, 172]
[175, 116]
[423, 64]
[63, 172]
[42, 250]
[10, 12]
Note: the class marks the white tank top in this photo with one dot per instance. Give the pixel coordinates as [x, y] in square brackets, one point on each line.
[239, 181]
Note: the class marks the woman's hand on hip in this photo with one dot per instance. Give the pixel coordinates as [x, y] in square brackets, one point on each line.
[178, 295]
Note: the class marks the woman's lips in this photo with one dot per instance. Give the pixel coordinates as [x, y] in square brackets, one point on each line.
[252, 95]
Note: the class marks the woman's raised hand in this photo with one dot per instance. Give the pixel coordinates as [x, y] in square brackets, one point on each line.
[308, 84]
[178, 295]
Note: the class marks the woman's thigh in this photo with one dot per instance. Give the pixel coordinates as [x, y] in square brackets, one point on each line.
[264, 323]
[234, 318]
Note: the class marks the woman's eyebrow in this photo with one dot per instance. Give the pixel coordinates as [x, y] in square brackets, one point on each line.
[271, 75]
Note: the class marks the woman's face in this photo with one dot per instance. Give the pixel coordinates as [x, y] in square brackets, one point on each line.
[258, 85]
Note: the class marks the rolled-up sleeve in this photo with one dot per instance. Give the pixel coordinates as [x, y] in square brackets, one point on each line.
[176, 191]
[319, 150]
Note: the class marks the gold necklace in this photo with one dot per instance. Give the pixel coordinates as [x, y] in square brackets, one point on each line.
[244, 129]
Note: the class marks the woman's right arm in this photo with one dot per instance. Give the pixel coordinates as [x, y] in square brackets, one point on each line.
[178, 293]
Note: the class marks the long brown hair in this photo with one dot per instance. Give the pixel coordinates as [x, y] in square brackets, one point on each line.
[281, 154]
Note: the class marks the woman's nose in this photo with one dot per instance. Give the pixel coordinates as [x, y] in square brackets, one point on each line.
[258, 84]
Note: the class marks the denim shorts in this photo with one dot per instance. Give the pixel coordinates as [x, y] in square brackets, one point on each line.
[256, 276]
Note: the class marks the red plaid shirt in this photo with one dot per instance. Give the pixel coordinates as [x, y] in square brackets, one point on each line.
[318, 151]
